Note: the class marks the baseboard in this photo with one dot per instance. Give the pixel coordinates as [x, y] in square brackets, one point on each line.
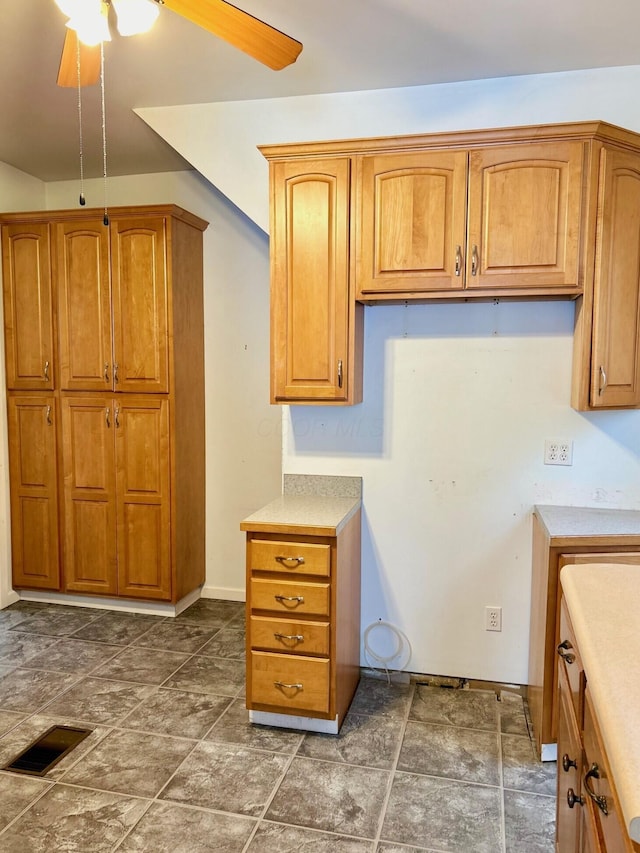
[225, 593]
[151, 608]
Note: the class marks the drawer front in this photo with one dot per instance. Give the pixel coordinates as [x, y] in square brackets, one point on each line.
[290, 682]
[596, 778]
[290, 596]
[285, 635]
[569, 660]
[291, 557]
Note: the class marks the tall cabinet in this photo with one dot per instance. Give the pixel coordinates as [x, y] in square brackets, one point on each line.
[105, 377]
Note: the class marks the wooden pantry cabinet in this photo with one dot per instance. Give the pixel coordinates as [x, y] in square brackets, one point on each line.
[549, 211]
[113, 448]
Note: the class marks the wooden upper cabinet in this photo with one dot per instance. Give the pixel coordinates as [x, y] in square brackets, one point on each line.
[84, 305]
[615, 363]
[34, 491]
[525, 216]
[411, 229]
[497, 218]
[140, 305]
[313, 314]
[28, 318]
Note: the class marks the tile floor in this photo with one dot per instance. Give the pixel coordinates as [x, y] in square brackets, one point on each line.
[173, 765]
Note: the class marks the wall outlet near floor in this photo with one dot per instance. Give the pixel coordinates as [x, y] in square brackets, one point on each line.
[558, 451]
[493, 618]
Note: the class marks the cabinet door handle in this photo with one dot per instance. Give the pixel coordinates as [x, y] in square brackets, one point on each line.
[297, 637]
[46, 371]
[115, 374]
[567, 763]
[48, 415]
[562, 648]
[573, 799]
[299, 599]
[474, 261]
[282, 559]
[599, 799]
[603, 380]
[286, 686]
[116, 416]
[106, 373]
[107, 416]
[340, 373]
[458, 259]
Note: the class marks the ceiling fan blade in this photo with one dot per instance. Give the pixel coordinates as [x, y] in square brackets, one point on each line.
[242, 30]
[89, 62]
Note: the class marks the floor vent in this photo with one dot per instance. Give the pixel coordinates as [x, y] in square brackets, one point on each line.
[41, 755]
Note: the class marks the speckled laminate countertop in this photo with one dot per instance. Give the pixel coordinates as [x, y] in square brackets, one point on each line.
[604, 605]
[565, 522]
[311, 515]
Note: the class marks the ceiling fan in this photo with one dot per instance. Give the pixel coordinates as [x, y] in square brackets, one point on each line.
[240, 29]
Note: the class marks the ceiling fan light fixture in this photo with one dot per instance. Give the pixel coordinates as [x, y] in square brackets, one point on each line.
[135, 16]
[90, 21]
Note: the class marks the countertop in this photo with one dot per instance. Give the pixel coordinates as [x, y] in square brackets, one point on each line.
[603, 600]
[567, 522]
[310, 515]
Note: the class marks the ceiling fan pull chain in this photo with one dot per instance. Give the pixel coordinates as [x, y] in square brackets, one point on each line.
[82, 199]
[104, 135]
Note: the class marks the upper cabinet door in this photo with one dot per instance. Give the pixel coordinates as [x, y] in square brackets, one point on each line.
[615, 360]
[28, 318]
[411, 227]
[84, 305]
[525, 214]
[312, 315]
[140, 305]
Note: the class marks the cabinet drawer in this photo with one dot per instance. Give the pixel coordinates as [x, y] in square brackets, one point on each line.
[292, 557]
[290, 681]
[290, 596]
[596, 778]
[284, 635]
[569, 660]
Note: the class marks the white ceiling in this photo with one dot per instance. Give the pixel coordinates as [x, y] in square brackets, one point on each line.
[348, 45]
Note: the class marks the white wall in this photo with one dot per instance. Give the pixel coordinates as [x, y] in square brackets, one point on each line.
[459, 399]
[243, 459]
[18, 191]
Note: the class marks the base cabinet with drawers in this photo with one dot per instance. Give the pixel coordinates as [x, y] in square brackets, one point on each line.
[566, 536]
[303, 624]
[588, 817]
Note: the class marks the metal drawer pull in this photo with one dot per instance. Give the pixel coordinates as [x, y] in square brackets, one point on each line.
[106, 373]
[299, 599]
[107, 416]
[48, 416]
[567, 763]
[115, 374]
[286, 686]
[340, 373]
[297, 637]
[599, 799]
[572, 799]
[283, 559]
[567, 656]
[46, 371]
[458, 259]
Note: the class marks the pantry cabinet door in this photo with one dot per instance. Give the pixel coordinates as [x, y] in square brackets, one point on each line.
[615, 364]
[140, 304]
[412, 221]
[28, 318]
[525, 216]
[143, 497]
[88, 444]
[34, 492]
[84, 305]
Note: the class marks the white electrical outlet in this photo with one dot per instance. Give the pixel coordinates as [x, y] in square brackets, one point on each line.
[558, 451]
[493, 618]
